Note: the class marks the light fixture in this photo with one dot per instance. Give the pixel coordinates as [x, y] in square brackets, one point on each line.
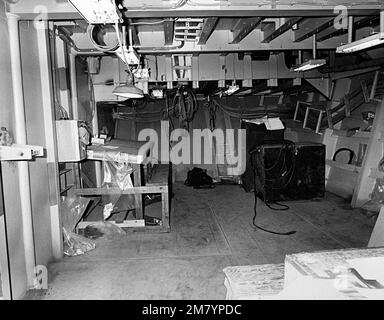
[309, 65]
[128, 90]
[232, 88]
[157, 93]
[97, 11]
[365, 43]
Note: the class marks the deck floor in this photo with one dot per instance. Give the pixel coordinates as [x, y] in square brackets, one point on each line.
[211, 229]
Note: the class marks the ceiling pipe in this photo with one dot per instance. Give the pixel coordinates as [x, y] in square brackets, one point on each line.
[21, 138]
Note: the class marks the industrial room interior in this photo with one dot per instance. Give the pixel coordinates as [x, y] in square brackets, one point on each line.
[192, 150]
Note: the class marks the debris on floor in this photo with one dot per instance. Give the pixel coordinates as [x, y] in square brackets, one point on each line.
[75, 244]
[103, 228]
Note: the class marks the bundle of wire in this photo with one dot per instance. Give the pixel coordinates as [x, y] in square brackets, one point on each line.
[284, 177]
[184, 106]
[249, 113]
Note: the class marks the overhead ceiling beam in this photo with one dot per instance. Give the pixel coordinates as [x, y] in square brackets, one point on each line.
[268, 26]
[352, 67]
[282, 29]
[262, 86]
[360, 22]
[316, 11]
[63, 10]
[309, 27]
[244, 27]
[168, 32]
[323, 85]
[207, 29]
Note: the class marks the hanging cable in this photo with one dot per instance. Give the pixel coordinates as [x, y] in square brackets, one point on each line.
[184, 106]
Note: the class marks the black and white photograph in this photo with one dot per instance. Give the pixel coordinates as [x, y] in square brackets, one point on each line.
[197, 157]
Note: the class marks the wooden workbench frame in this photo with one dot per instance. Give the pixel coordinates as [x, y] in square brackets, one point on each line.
[163, 189]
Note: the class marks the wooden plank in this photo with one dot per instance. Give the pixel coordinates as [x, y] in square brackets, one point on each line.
[134, 190]
[168, 32]
[244, 27]
[373, 156]
[319, 264]
[254, 282]
[149, 229]
[357, 135]
[282, 29]
[377, 237]
[125, 224]
[165, 209]
[207, 29]
[344, 166]
[309, 27]
[138, 197]
[374, 85]
[364, 89]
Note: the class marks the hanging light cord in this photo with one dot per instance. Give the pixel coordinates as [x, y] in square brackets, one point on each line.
[122, 48]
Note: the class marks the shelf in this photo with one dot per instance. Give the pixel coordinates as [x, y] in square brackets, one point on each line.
[343, 166]
[356, 135]
[17, 152]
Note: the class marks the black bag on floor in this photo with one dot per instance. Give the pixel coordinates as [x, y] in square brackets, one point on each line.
[198, 178]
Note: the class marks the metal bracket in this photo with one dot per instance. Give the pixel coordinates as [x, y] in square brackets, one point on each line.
[20, 152]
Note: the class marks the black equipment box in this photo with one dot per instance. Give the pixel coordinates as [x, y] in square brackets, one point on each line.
[289, 171]
[256, 135]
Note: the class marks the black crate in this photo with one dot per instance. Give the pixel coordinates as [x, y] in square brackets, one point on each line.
[289, 171]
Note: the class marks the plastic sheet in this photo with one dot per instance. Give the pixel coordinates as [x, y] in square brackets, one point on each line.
[116, 174]
[72, 209]
[378, 191]
[75, 244]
